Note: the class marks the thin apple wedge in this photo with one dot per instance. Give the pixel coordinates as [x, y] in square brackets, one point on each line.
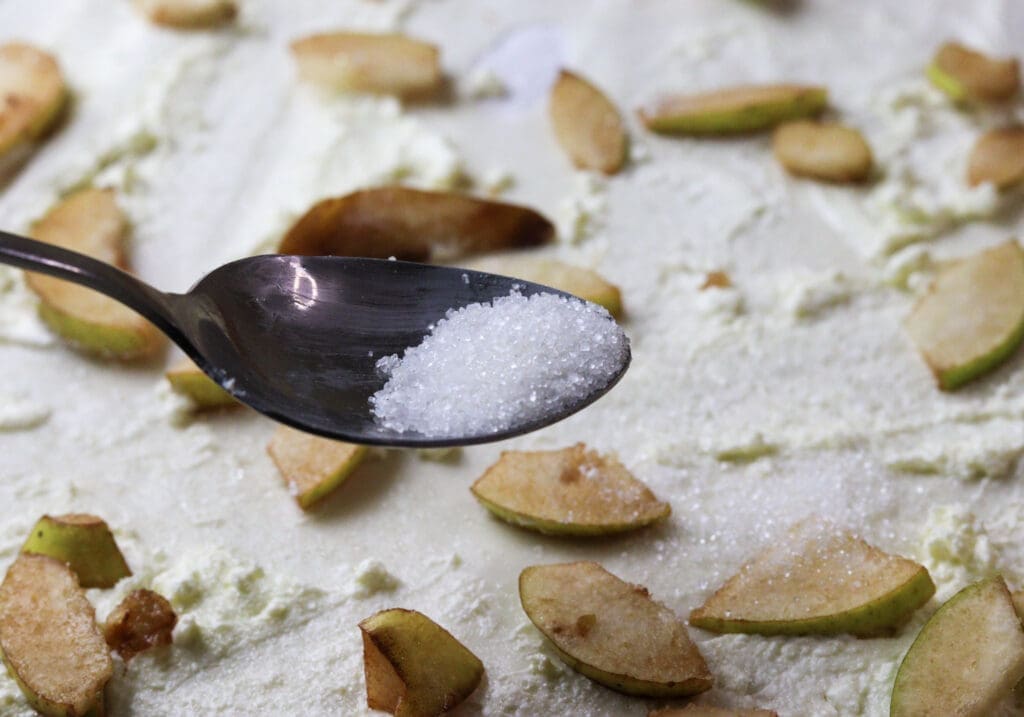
[32, 94]
[188, 14]
[817, 580]
[587, 124]
[360, 62]
[51, 644]
[826, 151]
[708, 711]
[140, 622]
[414, 667]
[313, 467]
[972, 318]
[188, 380]
[997, 157]
[735, 110]
[612, 631]
[968, 75]
[413, 225]
[967, 657]
[82, 541]
[573, 491]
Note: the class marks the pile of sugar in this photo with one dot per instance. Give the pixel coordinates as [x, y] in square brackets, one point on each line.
[487, 367]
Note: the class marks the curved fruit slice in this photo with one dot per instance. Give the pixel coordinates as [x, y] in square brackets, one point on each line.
[188, 380]
[972, 318]
[966, 74]
[414, 667]
[413, 225]
[312, 466]
[386, 64]
[143, 620]
[818, 150]
[997, 157]
[817, 581]
[734, 110]
[708, 711]
[49, 638]
[188, 14]
[90, 222]
[966, 658]
[587, 124]
[82, 541]
[32, 94]
[572, 491]
[612, 631]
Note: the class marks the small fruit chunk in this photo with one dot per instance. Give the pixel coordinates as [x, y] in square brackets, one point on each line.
[51, 644]
[708, 711]
[997, 157]
[716, 280]
[188, 14]
[817, 581]
[82, 541]
[735, 110]
[389, 64]
[413, 225]
[143, 620]
[573, 491]
[32, 94]
[587, 124]
[414, 667]
[965, 74]
[612, 631]
[967, 657]
[90, 222]
[817, 150]
[188, 380]
[972, 318]
[312, 466]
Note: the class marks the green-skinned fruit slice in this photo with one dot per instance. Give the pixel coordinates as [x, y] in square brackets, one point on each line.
[735, 110]
[612, 631]
[587, 124]
[708, 711]
[312, 466]
[573, 491]
[997, 157]
[32, 94]
[817, 580]
[824, 151]
[188, 380]
[413, 666]
[966, 659]
[51, 644]
[968, 75]
[82, 541]
[188, 14]
[972, 318]
[140, 622]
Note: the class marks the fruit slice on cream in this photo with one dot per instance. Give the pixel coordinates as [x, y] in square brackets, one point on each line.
[972, 318]
[414, 667]
[359, 62]
[82, 541]
[51, 644]
[817, 580]
[967, 657]
[587, 124]
[825, 151]
[612, 631]
[413, 225]
[188, 380]
[968, 75]
[91, 223]
[997, 157]
[313, 467]
[32, 94]
[708, 711]
[746, 108]
[188, 14]
[573, 491]
[142, 621]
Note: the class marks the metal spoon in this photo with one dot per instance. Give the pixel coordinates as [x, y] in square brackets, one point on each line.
[297, 337]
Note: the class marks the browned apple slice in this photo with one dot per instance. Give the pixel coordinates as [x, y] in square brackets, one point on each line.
[413, 225]
[188, 380]
[573, 491]
[735, 110]
[82, 541]
[188, 14]
[966, 74]
[387, 64]
[612, 631]
[716, 280]
[587, 124]
[32, 94]
[997, 157]
[142, 621]
[708, 711]
[312, 466]
[51, 644]
[825, 151]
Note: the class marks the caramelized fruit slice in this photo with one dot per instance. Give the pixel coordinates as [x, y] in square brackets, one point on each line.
[188, 14]
[32, 94]
[817, 150]
[143, 620]
[587, 124]
[997, 157]
[966, 74]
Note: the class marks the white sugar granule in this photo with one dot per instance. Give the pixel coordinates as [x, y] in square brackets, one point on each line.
[487, 367]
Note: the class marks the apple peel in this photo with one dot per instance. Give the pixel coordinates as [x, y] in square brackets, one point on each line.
[734, 110]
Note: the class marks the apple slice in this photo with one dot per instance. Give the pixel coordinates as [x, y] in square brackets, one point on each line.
[82, 541]
[587, 124]
[997, 157]
[708, 711]
[90, 222]
[414, 667]
[612, 631]
[825, 151]
[967, 657]
[817, 580]
[965, 74]
[143, 620]
[188, 380]
[51, 644]
[972, 318]
[312, 466]
[188, 14]
[573, 491]
[389, 64]
[32, 94]
[734, 110]
[413, 225]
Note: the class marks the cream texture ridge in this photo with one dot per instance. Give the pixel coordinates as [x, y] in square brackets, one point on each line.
[771, 380]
